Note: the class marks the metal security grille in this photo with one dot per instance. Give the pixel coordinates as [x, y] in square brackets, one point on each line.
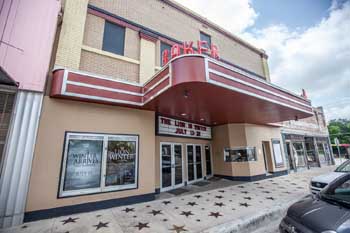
[6, 106]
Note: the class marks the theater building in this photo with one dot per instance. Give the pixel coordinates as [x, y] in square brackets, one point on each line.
[148, 96]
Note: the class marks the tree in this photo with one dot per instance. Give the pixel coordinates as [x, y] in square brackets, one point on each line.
[340, 128]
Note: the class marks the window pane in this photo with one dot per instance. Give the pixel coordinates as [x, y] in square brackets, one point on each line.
[121, 162]
[83, 164]
[240, 154]
[163, 47]
[205, 37]
[113, 38]
[277, 153]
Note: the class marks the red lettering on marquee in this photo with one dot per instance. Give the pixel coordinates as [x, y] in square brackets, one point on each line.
[175, 50]
[214, 53]
[202, 47]
[165, 57]
[188, 47]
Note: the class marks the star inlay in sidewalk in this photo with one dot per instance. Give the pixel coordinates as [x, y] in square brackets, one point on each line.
[178, 229]
[127, 210]
[100, 225]
[266, 191]
[270, 198]
[142, 225]
[244, 204]
[248, 198]
[219, 197]
[155, 212]
[215, 214]
[186, 213]
[219, 204]
[197, 196]
[68, 220]
[241, 186]
[245, 192]
[191, 203]
[166, 202]
[24, 227]
[221, 191]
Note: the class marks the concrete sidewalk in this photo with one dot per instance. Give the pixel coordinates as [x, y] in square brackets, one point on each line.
[240, 208]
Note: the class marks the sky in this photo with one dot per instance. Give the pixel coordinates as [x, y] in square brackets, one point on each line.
[307, 41]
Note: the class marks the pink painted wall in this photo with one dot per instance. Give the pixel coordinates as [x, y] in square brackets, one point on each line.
[27, 30]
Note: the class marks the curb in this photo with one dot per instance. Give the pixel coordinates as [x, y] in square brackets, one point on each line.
[244, 225]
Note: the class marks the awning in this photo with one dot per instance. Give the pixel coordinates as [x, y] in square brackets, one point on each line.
[5, 79]
[190, 87]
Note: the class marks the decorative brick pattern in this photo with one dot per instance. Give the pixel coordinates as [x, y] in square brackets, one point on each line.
[108, 66]
[72, 33]
[93, 34]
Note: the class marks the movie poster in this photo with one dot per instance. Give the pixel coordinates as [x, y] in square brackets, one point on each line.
[83, 166]
[121, 162]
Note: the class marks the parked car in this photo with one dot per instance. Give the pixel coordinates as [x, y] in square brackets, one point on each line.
[326, 212]
[319, 182]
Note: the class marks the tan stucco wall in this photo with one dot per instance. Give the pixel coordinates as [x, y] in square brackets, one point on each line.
[241, 135]
[255, 135]
[182, 141]
[59, 116]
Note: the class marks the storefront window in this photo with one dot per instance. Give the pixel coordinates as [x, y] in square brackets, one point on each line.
[95, 163]
[321, 152]
[298, 152]
[240, 154]
[310, 150]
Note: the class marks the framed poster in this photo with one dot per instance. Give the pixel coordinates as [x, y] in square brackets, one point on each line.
[94, 163]
[277, 153]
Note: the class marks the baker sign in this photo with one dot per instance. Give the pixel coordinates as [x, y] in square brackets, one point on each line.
[175, 127]
[187, 47]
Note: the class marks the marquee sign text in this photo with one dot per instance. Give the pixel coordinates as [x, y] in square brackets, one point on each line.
[187, 48]
[169, 126]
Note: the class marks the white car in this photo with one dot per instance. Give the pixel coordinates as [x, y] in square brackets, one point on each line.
[319, 182]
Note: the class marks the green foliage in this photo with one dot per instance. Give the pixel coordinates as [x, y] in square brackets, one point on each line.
[339, 128]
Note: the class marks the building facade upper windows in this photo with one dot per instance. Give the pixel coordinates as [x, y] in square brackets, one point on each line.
[113, 38]
[205, 37]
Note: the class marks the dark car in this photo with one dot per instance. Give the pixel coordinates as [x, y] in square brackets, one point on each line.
[327, 212]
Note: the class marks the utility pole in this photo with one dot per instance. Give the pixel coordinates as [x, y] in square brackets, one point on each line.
[336, 141]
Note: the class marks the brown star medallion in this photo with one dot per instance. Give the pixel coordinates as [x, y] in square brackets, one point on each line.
[178, 229]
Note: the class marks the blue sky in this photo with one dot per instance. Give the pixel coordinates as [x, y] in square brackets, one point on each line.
[307, 42]
[292, 13]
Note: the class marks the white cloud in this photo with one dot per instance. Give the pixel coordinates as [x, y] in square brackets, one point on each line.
[233, 15]
[316, 59]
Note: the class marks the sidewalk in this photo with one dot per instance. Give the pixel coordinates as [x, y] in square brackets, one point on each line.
[237, 208]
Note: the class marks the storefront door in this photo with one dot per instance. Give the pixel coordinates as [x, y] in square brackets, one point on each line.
[194, 162]
[171, 166]
[208, 161]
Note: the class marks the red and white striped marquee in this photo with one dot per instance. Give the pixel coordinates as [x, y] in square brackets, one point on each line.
[191, 87]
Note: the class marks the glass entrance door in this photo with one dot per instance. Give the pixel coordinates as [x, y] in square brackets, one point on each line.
[171, 166]
[194, 162]
[208, 161]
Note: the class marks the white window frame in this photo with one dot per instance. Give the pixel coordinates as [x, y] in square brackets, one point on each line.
[102, 188]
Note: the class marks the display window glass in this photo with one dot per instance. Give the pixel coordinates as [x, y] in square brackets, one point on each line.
[95, 163]
[241, 154]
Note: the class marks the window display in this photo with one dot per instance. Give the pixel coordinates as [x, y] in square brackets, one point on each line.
[243, 154]
[95, 163]
[298, 152]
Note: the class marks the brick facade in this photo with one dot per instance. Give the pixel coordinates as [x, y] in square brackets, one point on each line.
[81, 29]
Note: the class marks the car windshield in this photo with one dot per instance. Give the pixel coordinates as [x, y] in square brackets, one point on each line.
[345, 167]
[339, 195]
